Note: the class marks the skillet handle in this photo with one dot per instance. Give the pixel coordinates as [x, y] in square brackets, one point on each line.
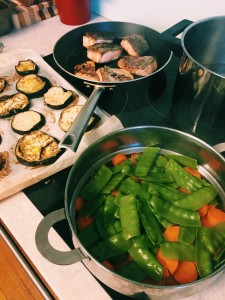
[45, 248]
[220, 147]
[169, 36]
[72, 138]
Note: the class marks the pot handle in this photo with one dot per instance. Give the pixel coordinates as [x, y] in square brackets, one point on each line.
[169, 36]
[72, 138]
[220, 147]
[45, 248]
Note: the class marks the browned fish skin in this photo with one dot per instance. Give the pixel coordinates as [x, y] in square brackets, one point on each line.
[94, 37]
[86, 71]
[135, 45]
[108, 74]
[104, 52]
[138, 65]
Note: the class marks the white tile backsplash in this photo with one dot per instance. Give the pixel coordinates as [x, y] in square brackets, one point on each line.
[158, 15]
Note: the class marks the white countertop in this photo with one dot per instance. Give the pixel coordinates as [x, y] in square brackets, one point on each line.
[22, 218]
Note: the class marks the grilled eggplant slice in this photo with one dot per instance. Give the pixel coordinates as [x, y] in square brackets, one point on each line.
[26, 67]
[37, 149]
[4, 164]
[69, 114]
[33, 86]
[13, 104]
[3, 84]
[27, 121]
[58, 97]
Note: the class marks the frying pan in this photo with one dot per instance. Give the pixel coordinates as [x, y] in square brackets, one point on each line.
[69, 51]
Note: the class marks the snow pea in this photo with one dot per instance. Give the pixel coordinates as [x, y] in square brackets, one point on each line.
[129, 217]
[158, 177]
[90, 207]
[219, 256]
[214, 237]
[168, 193]
[96, 183]
[177, 250]
[146, 161]
[147, 262]
[122, 167]
[187, 235]
[103, 230]
[185, 161]
[197, 199]
[132, 271]
[118, 196]
[150, 223]
[109, 211]
[182, 177]
[175, 214]
[160, 161]
[89, 236]
[113, 183]
[204, 259]
[110, 247]
[130, 186]
[142, 241]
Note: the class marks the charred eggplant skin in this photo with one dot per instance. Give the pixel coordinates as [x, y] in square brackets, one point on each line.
[57, 105]
[6, 113]
[40, 123]
[26, 67]
[22, 86]
[3, 84]
[21, 147]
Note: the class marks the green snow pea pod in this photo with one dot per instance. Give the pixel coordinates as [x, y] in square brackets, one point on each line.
[103, 230]
[146, 161]
[177, 250]
[182, 177]
[214, 237]
[158, 177]
[147, 262]
[109, 211]
[150, 223]
[197, 199]
[118, 196]
[122, 167]
[175, 214]
[160, 161]
[129, 217]
[219, 255]
[185, 161]
[96, 183]
[132, 271]
[168, 193]
[90, 207]
[187, 235]
[113, 183]
[110, 247]
[204, 259]
[142, 241]
[89, 236]
[130, 186]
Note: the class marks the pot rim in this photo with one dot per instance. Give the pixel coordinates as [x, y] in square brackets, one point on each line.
[196, 23]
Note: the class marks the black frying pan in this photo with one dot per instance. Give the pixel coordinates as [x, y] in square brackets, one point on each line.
[68, 52]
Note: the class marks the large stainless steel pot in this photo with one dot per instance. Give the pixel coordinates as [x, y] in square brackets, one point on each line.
[199, 91]
[212, 166]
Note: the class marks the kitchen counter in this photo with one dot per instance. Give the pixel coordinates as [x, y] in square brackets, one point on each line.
[22, 218]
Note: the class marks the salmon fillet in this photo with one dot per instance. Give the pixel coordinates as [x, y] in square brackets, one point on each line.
[113, 74]
[91, 38]
[135, 45]
[138, 65]
[86, 71]
[104, 52]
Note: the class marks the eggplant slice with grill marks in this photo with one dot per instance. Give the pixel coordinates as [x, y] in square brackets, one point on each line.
[33, 86]
[69, 114]
[26, 67]
[37, 149]
[13, 104]
[58, 97]
[27, 121]
[3, 84]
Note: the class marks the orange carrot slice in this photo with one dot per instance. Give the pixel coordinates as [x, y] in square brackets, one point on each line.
[215, 216]
[169, 265]
[118, 159]
[83, 222]
[193, 172]
[79, 203]
[186, 272]
[171, 233]
[203, 210]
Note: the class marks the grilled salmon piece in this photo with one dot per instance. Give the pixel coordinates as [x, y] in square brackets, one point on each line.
[86, 71]
[91, 38]
[104, 52]
[135, 45]
[113, 74]
[138, 65]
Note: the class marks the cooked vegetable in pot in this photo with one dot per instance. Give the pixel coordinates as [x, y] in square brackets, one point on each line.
[152, 218]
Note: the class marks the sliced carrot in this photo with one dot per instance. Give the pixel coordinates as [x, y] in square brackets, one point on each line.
[79, 203]
[108, 265]
[114, 193]
[169, 265]
[193, 172]
[203, 211]
[215, 216]
[205, 222]
[171, 233]
[186, 272]
[133, 158]
[109, 145]
[181, 189]
[118, 159]
[83, 221]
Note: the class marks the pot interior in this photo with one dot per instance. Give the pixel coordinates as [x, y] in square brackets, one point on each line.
[203, 42]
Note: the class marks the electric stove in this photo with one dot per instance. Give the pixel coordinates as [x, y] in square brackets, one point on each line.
[137, 107]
